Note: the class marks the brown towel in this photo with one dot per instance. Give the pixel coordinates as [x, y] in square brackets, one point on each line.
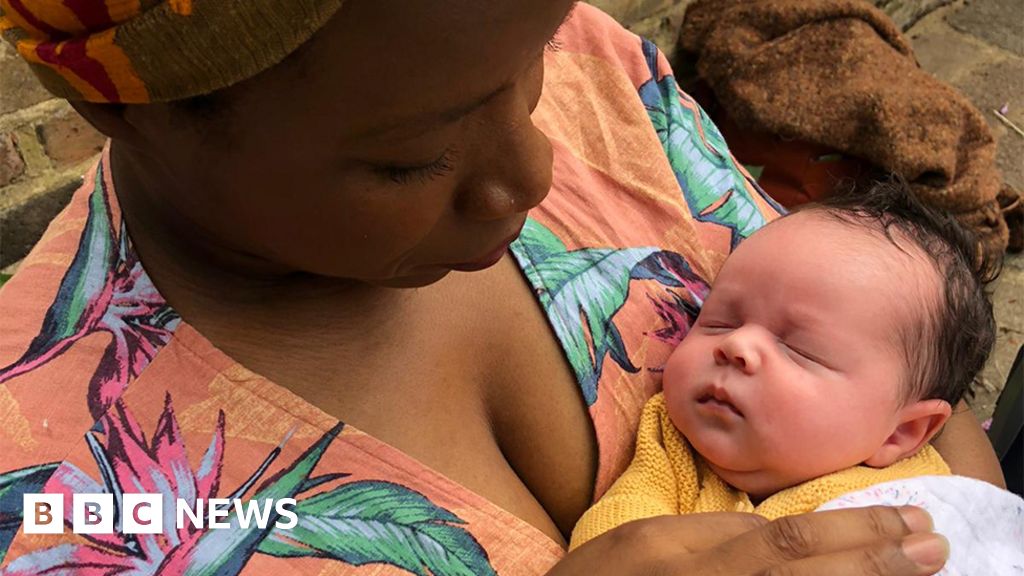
[838, 73]
[1012, 205]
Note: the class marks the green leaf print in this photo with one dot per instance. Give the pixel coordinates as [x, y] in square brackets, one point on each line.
[227, 551]
[581, 291]
[13, 485]
[73, 308]
[714, 187]
[380, 522]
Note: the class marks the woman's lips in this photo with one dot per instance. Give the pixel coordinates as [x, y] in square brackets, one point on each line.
[489, 259]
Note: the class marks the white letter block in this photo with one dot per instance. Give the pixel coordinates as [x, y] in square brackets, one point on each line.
[43, 513]
[142, 514]
[92, 513]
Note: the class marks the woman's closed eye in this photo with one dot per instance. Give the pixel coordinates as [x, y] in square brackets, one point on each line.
[402, 175]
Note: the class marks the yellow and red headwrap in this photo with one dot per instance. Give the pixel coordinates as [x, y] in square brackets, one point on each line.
[136, 51]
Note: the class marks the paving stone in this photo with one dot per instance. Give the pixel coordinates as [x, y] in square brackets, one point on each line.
[662, 29]
[629, 12]
[999, 22]
[10, 269]
[22, 226]
[947, 53]
[989, 87]
[906, 12]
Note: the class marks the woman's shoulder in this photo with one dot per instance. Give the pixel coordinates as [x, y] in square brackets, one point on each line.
[51, 347]
[592, 32]
[633, 149]
[645, 205]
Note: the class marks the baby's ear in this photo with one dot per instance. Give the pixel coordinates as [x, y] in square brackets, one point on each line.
[918, 422]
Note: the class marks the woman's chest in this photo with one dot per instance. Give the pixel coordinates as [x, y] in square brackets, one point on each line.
[447, 437]
[475, 387]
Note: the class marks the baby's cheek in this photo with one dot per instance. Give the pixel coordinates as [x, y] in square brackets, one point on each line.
[807, 436]
[675, 388]
[672, 397]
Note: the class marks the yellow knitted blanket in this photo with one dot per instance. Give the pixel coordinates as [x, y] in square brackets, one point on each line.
[667, 477]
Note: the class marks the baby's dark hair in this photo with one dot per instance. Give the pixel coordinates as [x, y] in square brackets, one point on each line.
[948, 347]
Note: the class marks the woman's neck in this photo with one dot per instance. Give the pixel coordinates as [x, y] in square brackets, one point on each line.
[235, 299]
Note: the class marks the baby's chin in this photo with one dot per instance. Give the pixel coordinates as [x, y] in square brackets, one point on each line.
[739, 468]
[720, 451]
[739, 464]
[758, 484]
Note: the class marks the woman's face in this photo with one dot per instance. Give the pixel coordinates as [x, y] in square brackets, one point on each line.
[393, 148]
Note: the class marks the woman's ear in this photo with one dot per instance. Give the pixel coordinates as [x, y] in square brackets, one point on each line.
[918, 422]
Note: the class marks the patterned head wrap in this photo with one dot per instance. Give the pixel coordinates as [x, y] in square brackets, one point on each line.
[137, 51]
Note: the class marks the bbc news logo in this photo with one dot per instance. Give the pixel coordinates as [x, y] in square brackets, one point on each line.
[144, 513]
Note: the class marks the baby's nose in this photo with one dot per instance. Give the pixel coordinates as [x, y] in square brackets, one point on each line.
[740, 350]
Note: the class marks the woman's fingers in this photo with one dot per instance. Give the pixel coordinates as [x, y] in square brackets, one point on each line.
[918, 555]
[856, 542]
[869, 539]
[720, 527]
[688, 533]
[682, 544]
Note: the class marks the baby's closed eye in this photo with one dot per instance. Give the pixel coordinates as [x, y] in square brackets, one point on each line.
[801, 355]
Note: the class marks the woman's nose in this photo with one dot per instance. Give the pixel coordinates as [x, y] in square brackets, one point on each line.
[740, 349]
[513, 172]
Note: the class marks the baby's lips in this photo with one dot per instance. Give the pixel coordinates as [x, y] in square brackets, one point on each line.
[719, 394]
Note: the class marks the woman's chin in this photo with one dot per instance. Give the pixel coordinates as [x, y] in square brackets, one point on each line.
[418, 281]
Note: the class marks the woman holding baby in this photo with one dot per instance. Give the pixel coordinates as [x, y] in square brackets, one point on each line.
[271, 263]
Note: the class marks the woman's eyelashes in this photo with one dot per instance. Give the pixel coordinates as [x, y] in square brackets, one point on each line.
[402, 175]
[554, 44]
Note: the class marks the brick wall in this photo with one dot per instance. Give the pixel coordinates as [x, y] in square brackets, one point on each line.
[45, 147]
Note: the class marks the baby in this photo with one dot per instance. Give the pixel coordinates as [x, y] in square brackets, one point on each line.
[828, 353]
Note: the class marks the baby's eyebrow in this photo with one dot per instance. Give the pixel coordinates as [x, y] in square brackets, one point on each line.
[798, 318]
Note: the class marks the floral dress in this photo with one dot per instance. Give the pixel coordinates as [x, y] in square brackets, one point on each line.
[104, 388]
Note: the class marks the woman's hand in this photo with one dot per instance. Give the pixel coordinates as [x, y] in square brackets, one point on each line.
[876, 541]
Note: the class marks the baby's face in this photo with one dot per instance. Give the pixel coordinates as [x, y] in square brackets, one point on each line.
[795, 366]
